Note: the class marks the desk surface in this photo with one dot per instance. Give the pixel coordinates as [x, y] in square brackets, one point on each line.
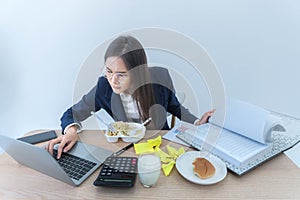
[279, 178]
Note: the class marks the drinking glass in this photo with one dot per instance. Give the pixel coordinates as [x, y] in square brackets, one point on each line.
[149, 169]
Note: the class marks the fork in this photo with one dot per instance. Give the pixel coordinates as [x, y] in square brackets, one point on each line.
[132, 132]
[147, 121]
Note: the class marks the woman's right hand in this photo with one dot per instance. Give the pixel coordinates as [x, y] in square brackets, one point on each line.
[66, 141]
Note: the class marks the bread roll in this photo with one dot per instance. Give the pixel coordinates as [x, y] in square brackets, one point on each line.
[203, 168]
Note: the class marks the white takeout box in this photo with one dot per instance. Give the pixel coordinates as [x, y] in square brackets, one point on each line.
[139, 133]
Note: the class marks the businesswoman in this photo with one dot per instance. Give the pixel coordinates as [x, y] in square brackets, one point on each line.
[129, 91]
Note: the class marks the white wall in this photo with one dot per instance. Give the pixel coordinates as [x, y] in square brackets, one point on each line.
[255, 45]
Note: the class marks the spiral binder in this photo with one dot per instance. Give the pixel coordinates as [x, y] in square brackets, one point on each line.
[281, 142]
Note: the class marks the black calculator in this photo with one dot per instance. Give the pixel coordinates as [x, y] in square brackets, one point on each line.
[118, 171]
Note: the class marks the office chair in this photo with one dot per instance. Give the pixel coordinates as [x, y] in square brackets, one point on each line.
[181, 97]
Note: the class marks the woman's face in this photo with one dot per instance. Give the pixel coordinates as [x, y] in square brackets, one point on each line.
[117, 74]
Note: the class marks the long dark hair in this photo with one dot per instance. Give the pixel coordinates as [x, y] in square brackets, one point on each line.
[133, 54]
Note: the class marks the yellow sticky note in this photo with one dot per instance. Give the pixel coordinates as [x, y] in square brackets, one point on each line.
[171, 151]
[167, 168]
[175, 152]
[164, 157]
[143, 147]
[180, 151]
[155, 142]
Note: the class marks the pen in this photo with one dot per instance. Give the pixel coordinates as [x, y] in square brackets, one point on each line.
[123, 149]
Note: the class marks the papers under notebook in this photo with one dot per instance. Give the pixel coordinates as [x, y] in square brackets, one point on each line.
[243, 140]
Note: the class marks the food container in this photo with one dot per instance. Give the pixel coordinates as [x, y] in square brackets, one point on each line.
[127, 131]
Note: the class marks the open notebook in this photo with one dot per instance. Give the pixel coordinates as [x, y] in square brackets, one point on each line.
[248, 137]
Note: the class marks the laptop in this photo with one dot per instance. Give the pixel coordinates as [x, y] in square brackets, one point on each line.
[87, 157]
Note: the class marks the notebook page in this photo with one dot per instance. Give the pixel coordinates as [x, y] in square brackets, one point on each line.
[234, 148]
[243, 118]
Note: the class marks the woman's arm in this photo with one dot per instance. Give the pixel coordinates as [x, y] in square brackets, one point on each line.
[79, 111]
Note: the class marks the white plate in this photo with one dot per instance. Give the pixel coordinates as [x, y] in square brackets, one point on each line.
[185, 167]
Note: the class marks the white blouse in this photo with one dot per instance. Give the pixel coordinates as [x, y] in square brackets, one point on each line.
[130, 106]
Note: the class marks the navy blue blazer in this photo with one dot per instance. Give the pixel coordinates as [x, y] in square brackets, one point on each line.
[103, 97]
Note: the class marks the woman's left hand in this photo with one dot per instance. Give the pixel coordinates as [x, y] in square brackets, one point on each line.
[205, 117]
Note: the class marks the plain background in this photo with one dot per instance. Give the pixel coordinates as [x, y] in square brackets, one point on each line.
[254, 44]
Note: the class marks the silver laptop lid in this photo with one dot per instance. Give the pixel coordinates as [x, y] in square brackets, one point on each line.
[39, 159]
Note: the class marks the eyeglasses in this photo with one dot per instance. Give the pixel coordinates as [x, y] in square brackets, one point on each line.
[121, 76]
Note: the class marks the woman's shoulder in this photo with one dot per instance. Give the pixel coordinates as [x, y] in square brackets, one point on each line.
[160, 75]
[102, 81]
[103, 85]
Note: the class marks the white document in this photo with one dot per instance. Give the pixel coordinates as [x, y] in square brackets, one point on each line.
[240, 137]
[234, 148]
[171, 136]
[294, 154]
[248, 120]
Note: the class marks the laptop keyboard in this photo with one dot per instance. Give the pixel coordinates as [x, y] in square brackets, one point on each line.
[74, 166]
